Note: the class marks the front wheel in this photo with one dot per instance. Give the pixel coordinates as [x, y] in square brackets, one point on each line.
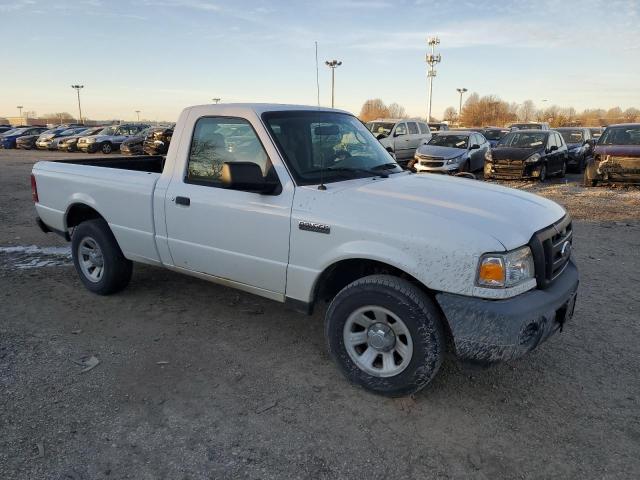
[102, 267]
[543, 173]
[106, 147]
[386, 335]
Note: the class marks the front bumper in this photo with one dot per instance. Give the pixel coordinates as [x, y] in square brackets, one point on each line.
[43, 145]
[88, 147]
[513, 169]
[489, 331]
[447, 169]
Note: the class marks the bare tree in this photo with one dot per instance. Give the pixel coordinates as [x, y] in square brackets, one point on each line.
[397, 111]
[631, 115]
[372, 109]
[450, 114]
[526, 111]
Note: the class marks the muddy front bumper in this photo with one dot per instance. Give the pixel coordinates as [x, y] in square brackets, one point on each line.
[490, 331]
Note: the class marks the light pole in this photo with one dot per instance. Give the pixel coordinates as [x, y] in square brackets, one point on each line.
[333, 64]
[77, 89]
[432, 59]
[461, 91]
[216, 100]
[19, 107]
[138, 113]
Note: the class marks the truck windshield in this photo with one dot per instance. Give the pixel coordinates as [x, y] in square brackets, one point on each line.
[327, 146]
[380, 127]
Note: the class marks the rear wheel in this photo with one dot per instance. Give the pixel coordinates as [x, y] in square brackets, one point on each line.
[386, 335]
[102, 267]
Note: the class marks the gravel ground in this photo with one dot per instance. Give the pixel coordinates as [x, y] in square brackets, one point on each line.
[198, 381]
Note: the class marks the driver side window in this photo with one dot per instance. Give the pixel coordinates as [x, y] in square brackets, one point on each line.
[401, 129]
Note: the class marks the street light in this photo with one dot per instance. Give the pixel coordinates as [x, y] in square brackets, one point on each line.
[461, 91]
[77, 89]
[216, 100]
[19, 107]
[432, 60]
[333, 64]
[138, 113]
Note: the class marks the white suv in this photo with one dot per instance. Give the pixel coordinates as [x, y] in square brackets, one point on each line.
[400, 136]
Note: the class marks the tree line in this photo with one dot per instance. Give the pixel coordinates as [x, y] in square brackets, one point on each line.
[488, 110]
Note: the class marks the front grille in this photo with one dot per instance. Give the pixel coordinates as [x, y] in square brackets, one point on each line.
[551, 248]
[427, 163]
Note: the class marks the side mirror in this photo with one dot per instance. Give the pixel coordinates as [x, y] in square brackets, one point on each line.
[247, 176]
[393, 155]
[475, 146]
[553, 148]
[380, 136]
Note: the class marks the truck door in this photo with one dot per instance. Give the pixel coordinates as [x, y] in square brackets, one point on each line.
[401, 141]
[232, 234]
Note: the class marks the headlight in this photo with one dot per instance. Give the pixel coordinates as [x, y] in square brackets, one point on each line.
[457, 159]
[533, 158]
[90, 140]
[500, 270]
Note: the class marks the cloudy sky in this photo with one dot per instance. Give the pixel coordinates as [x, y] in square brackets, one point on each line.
[158, 56]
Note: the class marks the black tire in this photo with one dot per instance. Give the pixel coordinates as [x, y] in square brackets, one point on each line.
[106, 147]
[116, 272]
[589, 175]
[563, 171]
[419, 315]
[543, 173]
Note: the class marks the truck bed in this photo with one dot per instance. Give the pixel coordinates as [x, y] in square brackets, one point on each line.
[138, 163]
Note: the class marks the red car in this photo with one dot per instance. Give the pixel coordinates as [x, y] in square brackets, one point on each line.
[616, 157]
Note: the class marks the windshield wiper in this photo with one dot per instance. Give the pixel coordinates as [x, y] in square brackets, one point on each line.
[356, 170]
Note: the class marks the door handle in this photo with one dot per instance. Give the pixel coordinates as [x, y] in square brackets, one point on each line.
[186, 201]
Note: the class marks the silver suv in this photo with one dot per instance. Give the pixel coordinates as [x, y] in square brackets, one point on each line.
[400, 136]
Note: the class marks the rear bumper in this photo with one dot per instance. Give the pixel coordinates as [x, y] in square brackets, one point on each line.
[490, 331]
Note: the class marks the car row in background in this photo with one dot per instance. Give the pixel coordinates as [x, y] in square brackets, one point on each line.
[106, 139]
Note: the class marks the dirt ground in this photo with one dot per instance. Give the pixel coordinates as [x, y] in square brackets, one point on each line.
[198, 381]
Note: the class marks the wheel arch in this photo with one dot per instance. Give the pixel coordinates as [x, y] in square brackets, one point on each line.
[79, 212]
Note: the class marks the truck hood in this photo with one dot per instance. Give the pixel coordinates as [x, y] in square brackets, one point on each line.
[439, 151]
[509, 216]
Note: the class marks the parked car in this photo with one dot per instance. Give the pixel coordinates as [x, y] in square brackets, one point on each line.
[438, 127]
[8, 139]
[528, 154]
[400, 136]
[579, 144]
[70, 143]
[27, 142]
[110, 138]
[69, 132]
[134, 145]
[530, 126]
[44, 140]
[596, 132]
[493, 277]
[451, 152]
[157, 142]
[616, 156]
[5, 128]
[494, 134]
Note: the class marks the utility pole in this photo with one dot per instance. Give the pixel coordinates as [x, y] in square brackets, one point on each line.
[138, 113]
[77, 89]
[461, 91]
[19, 107]
[216, 100]
[432, 60]
[333, 64]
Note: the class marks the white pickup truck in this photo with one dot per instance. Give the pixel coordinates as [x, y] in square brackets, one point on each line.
[303, 205]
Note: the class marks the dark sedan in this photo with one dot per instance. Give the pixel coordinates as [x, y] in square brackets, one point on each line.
[134, 145]
[579, 144]
[616, 157]
[528, 154]
[157, 142]
[8, 139]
